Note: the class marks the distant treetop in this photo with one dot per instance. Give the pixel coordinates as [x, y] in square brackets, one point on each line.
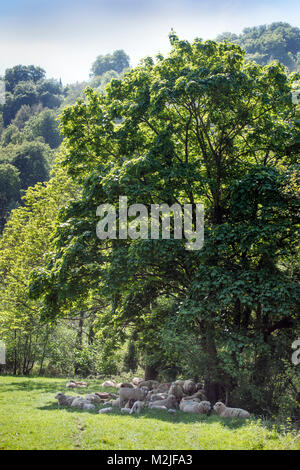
[277, 41]
[117, 61]
[22, 73]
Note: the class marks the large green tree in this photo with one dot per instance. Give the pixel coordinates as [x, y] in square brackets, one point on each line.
[200, 125]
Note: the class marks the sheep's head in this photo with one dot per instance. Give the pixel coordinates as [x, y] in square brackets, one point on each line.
[219, 406]
[206, 406]
[60, 394]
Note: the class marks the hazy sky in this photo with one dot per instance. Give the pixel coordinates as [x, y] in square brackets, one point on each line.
[65, 36]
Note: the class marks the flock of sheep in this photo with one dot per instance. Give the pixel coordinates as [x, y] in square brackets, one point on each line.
[185, 395]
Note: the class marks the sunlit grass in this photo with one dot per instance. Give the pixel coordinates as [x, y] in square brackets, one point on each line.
[31, 419]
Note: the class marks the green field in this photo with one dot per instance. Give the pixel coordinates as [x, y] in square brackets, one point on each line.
[30, 419]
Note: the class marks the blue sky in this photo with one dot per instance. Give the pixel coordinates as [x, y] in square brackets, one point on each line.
[65, 36]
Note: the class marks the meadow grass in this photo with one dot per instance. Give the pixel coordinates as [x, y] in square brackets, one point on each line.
[30, 419]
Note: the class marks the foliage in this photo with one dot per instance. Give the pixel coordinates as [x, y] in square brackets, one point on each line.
[9, 189]
[24, 242]
[277, 41]
[198, 125]
[117, 61]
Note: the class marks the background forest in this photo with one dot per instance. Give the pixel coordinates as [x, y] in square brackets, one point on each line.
[174, 129]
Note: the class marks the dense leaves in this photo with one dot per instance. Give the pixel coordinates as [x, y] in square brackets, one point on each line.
[200, 125]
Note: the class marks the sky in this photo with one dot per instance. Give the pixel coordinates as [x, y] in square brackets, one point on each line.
[65, 36]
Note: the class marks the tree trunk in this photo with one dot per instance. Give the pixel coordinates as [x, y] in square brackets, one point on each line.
[79, 341]
[150, 373]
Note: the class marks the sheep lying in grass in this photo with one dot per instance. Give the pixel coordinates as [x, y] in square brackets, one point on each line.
[169, 402]
[93, 398]
[176, 390]
[137, 380]
[189, 387]
[156, 396]
[125, 385]
[226, 412]
[150, 384]
[73, 384]
[125, 410]
[83, 403]
[105, 410]
[191, 406]
[136, 394]
[137, 407]
[157, 407]
[64, 400]
[108, 383]
[115, 402]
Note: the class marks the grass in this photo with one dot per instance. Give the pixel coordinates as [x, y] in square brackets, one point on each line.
[30, 419]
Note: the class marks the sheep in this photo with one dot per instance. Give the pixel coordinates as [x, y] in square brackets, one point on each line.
[108, 383]
[137, 407]
[64, 400]
[150, 384]
[136, 380]
[198, 386]
[125, 410]
[83, 403]
[179, 382]
[176, 390]
[170, 402]
[105, 410]
[164, 387]
[189, 387]
[73, 384]
[130, 403]
[204, 407]
[93, 398]
[186, 399]
[88, 406]
[226, 412]
[157, 407]
[116, 402]
[158, 396]
[126, 394]
[124, 384]
[103, 395]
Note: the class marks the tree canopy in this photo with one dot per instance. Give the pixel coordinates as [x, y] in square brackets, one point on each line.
[277, 41]
[117, 61]
[200, 125]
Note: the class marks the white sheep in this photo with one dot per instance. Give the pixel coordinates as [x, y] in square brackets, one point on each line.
[189, 387]
[176, 389]
[169, 402]
[108, 383]
[226, 412]
[137, 407]
[93, 398]
[157, 407]
[125, 410]
[105, 410]
[81, 402]
[191, 406]
[64, 400]
[136, 394]
[157, 396]
[88, 406]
